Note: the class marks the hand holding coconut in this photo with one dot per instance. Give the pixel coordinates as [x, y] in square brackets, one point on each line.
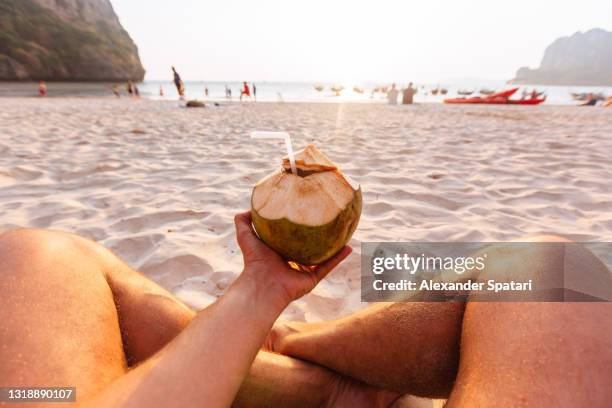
[271, 272]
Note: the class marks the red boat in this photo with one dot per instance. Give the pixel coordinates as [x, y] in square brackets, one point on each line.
[498, 98]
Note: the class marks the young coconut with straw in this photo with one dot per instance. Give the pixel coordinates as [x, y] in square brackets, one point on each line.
[307, 210]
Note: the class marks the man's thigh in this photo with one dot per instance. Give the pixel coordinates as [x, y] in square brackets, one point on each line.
[59, 324]
[535, 354]
[539, 353]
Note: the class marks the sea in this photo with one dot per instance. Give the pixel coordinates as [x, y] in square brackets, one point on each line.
[367, 92]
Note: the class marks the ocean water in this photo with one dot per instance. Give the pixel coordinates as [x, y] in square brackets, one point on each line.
[292, 91]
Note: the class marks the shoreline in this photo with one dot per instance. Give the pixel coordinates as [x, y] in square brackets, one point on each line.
[278, 91]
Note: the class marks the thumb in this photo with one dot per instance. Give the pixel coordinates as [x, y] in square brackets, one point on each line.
[244, 231]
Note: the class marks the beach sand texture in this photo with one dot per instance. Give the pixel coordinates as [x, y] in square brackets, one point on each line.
[160, 184]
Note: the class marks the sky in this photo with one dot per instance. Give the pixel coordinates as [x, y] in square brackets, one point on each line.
[351, 41]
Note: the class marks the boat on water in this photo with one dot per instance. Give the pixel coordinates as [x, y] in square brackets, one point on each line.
[336, 89]
[319, 88]
[498, 98]
[486, 91]
[358, 89]
[584, 96]
[465, 92]
[434, 91]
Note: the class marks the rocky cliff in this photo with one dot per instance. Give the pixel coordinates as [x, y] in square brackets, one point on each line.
[65, 40]
[582, 59]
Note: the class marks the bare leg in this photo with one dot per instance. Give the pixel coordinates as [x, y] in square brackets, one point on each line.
[58, 329]
[56, 286]
[407, 347]
[280, 381]
[545, 354]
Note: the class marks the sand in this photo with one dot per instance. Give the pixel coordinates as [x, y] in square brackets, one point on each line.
[160, 184]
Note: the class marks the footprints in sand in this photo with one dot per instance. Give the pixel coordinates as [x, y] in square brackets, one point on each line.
[173, 271]
[23, 173]
[154, 220]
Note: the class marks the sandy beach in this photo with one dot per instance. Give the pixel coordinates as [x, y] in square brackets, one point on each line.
[159, 184]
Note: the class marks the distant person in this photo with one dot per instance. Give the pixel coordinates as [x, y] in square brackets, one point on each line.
[246, 92]
[534, 94]
[161, 90]
[591, 100]
[136, 92]
[42, 88]
[392, 95]
[254, 92]
[229, 94]
[116, 91]
[206, 91]
[178, 82]
[524, 94]
[408, 95]
[129, 87]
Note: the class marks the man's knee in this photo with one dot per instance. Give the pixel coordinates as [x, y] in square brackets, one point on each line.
[34, 251]
[556, 266]
[31, 244]
[546, 238]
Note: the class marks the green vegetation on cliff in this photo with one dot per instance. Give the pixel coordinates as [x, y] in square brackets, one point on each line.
[35, 43]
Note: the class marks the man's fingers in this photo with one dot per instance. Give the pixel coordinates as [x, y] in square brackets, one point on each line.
[244, 231]
[327, 266]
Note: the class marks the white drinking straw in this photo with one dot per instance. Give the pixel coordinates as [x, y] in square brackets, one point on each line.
[279, 135]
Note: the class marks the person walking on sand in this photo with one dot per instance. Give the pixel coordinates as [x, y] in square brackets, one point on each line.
[161, 90]
[246, 92]
[408, 95]
[42, 88]
[178, 82]
[392, 95]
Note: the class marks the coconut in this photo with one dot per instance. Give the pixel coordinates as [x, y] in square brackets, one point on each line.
[309, 216]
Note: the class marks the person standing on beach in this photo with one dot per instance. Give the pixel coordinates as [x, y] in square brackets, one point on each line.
[129, 88]
[161, 90]
[42, 88]
[392, 95]
[408, 95]
[178, 82]
[254, 92]
[206, 91]
[246, 92]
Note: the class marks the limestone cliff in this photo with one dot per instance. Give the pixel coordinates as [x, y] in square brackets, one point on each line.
[582, 59]
[65, 40]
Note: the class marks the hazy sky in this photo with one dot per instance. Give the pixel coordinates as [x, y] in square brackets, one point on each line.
[351, 40]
